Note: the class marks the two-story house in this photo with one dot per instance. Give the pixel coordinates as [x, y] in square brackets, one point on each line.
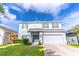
[48, 32]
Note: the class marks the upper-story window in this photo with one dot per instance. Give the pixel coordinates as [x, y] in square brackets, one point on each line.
[54, 25]
[24, 25]
[45, 25]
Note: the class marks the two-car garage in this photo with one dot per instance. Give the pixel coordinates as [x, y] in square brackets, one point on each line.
[54, 38]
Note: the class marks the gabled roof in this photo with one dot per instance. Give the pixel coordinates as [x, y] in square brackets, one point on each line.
[6, 28]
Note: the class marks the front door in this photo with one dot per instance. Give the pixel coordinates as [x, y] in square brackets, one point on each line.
[35, 36]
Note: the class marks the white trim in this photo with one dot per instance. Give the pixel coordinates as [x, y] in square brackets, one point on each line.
[21, 22]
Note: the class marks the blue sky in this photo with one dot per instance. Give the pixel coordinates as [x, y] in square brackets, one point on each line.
[67, 13]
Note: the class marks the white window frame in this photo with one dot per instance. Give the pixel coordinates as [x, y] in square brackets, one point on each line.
[55, 25]
[45, 25]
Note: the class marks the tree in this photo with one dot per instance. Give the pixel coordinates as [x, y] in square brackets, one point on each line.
[2, 11]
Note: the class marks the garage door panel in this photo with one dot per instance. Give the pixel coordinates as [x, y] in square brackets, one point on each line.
[53, 39]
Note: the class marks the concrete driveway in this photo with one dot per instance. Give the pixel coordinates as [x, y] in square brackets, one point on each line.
[60, 50]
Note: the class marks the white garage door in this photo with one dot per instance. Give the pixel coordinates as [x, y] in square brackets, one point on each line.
[53, 39]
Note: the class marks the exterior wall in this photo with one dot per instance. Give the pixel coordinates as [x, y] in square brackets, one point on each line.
[5, 41]
[34, 26]
[50, 25]
[60, 27]
[2, 32]
[22, 31]
[29, 36]
[41, 37]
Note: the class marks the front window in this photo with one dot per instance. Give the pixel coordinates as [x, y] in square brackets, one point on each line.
[54, 25]
[24, 25]
[45, 25]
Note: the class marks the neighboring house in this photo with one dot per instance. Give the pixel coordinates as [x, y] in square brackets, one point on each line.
[7, 35]
[71, 38]
[48, 32]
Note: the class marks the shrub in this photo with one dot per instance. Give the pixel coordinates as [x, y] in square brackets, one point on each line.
[19, 41]
[26, 41]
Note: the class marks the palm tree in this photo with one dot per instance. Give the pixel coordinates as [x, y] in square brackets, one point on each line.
[75, 30]
[1, 9]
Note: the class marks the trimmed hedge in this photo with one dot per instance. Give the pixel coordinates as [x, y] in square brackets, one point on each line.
[26, 42]
[23, 41]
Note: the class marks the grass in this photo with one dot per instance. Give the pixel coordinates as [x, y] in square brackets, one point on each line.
[74, 45]
[21, 50]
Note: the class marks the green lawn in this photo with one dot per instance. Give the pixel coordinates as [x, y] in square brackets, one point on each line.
[74, 45]
[21, 50]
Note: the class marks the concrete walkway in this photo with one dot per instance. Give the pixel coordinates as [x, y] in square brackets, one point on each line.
[60, 50]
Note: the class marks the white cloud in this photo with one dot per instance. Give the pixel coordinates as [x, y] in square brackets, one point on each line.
[15, 8]
[71, 20]
[26, 6]
[53, 8]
